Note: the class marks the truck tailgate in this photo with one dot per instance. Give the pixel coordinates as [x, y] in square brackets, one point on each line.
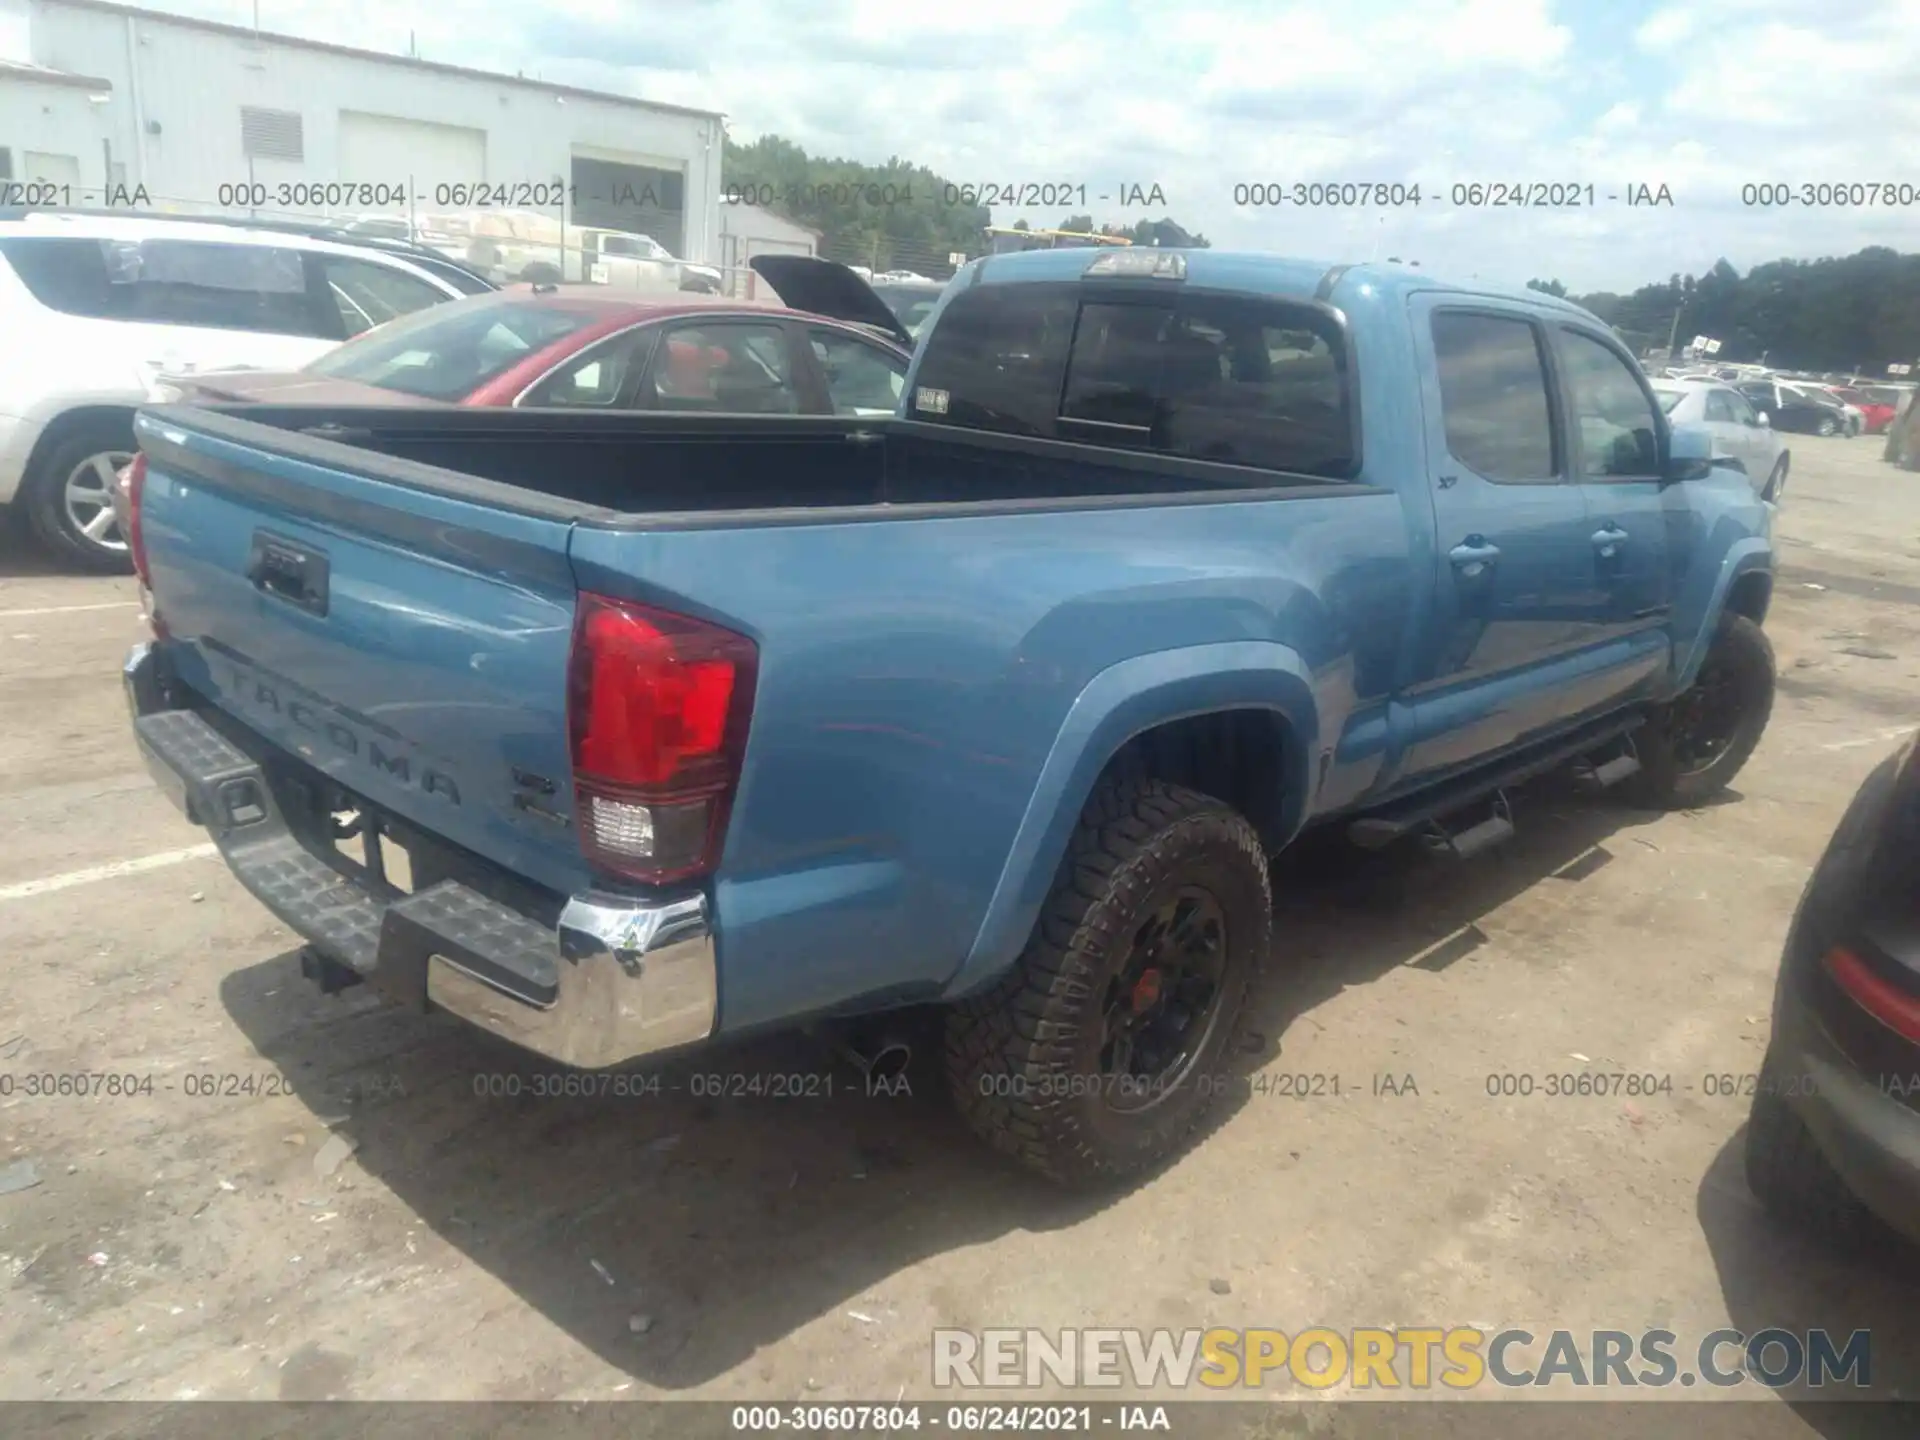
[408, 640]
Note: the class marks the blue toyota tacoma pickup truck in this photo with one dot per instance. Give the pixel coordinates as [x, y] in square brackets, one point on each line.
[690, 725]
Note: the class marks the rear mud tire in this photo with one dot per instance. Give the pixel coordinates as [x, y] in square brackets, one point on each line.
[1023, 1060]
[1743, 654]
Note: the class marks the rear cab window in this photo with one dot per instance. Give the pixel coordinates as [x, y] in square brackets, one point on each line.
[1250, 382]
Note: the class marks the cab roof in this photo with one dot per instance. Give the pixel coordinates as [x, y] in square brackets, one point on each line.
[1260, 273]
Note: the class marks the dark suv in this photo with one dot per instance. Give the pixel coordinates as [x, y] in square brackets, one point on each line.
[1834, 1137]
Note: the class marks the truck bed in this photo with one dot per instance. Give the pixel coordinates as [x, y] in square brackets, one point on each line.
[573, 465]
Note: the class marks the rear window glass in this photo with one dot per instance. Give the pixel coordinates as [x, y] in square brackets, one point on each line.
[1668, 398]
[1202, 377]
[170, 282]
[1493, 395]
[1211, 378]
[995, 360]
[449, 351]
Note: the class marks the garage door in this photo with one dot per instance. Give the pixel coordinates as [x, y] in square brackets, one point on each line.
[634, 194]
[384, 148]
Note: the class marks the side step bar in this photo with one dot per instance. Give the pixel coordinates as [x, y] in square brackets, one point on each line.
[1606, 774]
[1420, 813]
[1496, 829]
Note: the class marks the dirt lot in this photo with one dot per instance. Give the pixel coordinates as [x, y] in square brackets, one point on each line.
[186, 1245]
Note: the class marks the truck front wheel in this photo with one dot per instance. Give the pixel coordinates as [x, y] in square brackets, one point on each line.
[1098, 1054]
[1695, 744]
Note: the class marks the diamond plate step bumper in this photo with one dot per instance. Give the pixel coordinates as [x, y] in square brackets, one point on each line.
[613, 981]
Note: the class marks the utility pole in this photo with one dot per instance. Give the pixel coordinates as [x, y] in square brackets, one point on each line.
[1673, 335]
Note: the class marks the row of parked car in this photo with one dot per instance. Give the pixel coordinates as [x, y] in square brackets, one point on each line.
[106, 310]
[1806, 405]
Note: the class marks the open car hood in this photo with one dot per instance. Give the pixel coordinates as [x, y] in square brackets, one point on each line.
[825, 287]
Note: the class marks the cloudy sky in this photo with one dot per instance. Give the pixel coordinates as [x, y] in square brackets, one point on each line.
[1702, 96]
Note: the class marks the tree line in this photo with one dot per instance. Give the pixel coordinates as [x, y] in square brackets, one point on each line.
[897, 215]
[1858, 312]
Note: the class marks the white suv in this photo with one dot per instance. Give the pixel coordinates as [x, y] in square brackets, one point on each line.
[94, 309]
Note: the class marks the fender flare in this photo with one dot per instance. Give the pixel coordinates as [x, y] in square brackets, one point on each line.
[1743, 557]
[1119, 703]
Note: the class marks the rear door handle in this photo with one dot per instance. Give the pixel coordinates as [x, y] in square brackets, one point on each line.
[1473, 556]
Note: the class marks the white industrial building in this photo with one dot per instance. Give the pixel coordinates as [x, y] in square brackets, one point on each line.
[110, 102]
[749, 230]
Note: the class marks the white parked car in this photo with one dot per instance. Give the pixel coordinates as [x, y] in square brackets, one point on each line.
[95, 309]
[1739, 433]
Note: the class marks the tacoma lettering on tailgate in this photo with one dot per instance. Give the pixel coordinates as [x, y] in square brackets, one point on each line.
[326, 723]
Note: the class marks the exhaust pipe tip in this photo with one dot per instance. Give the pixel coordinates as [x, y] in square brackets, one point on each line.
[882, 1060]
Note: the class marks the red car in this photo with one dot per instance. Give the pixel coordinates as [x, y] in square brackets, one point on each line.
[591, 348]
[1877, 414]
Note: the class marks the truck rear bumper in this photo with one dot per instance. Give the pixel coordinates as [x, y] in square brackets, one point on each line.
[613, 980]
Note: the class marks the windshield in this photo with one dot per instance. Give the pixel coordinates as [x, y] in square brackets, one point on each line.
[446, 352]
[1668, 396]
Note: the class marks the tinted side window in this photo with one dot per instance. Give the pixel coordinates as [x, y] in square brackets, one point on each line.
[1239, 382]
[599, 378]
[65, 275]
[1493, 395]
[368, 294]
[737, 369]
[1613, 420]
[995, 360]
[170, 282]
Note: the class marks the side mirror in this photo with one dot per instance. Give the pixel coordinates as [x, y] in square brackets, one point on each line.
[1689, 454]
[1760, 419]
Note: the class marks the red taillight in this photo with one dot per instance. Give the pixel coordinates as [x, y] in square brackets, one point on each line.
[133, 482]
[657, 708]
[1880, 998]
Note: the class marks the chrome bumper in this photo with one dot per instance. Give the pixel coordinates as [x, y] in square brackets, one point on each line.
[614, 980]
[634, 980]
